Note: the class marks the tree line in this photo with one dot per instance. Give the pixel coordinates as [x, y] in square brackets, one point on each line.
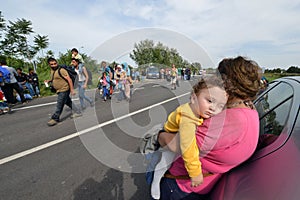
[20, 51]
[15, 41]
[291, 70]
[146, 53]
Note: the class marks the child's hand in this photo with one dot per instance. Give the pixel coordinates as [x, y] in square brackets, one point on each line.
[196, 181]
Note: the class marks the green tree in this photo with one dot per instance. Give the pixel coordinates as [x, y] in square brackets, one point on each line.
[49, 54]
[2, 24]
[146, 53]
[293, 69]
[15, 42]
[197, 66]
[143, 52]
[23, 29]
[277, 70]
[41, 43]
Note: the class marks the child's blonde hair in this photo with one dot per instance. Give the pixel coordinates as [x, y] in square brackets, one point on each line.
[208, 81]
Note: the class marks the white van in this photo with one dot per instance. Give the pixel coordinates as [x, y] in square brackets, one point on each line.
[152, 72]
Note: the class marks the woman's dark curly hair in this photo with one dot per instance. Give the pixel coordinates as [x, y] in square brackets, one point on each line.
[241, 77]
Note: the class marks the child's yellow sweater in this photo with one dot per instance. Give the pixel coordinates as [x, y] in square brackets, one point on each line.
[184, 121]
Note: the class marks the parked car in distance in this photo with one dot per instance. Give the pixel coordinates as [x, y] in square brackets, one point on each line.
[273, 172]
[152, 72]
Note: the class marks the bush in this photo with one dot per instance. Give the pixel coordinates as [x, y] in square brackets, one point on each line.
[273, 76]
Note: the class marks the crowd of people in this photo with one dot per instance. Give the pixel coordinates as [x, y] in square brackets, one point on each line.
[22, 87]
[15, 84]
[112, 79]
[19, 86]
[115, 78]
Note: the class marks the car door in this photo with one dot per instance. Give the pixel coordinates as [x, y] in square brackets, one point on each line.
[274, 107]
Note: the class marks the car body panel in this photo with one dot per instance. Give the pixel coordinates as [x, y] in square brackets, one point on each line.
[273, 171]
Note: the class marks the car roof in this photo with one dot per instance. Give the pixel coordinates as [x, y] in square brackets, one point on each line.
[296, 78]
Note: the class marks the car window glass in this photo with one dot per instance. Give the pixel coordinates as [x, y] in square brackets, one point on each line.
[274, 121]
[273, 108]
[274, 97]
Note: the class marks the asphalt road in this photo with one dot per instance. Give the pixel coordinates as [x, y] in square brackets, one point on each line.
[91, 157]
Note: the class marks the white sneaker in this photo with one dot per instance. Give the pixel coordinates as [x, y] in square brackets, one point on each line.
[74, 115]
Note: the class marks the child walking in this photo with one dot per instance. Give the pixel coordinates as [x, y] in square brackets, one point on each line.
[105, 86]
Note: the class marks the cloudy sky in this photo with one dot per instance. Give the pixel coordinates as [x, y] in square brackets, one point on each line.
[267, 31]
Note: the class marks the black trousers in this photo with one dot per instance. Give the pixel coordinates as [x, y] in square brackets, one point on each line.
[8, 90]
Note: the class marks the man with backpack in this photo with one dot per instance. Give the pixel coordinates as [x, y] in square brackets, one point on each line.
[10, 83]
[64, 86]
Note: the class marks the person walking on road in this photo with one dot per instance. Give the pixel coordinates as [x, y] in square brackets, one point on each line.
[83, 78]
[173, 77]
[8, 88]
[64, 87]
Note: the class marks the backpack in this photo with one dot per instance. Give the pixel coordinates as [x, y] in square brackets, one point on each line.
[72, 73]
[112, 71]
[90, 80]
[5, 78]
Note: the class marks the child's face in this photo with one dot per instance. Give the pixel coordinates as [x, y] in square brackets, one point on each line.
[209, 102]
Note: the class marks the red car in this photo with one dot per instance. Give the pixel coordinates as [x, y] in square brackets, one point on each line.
[273, 172]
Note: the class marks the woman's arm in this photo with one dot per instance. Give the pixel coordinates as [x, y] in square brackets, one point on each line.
[170, 141]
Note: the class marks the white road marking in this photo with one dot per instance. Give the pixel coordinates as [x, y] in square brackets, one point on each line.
[156, 86]
[139, 88]
[38, 105]
[34, 106]
[73, 135]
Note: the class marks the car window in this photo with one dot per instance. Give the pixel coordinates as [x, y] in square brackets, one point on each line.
[273, 98]
[153, 70]
[273, 108]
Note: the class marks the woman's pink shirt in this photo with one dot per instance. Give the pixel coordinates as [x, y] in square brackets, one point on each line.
[225, 140]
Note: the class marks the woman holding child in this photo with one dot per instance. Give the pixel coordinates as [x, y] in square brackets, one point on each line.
[224, 140]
